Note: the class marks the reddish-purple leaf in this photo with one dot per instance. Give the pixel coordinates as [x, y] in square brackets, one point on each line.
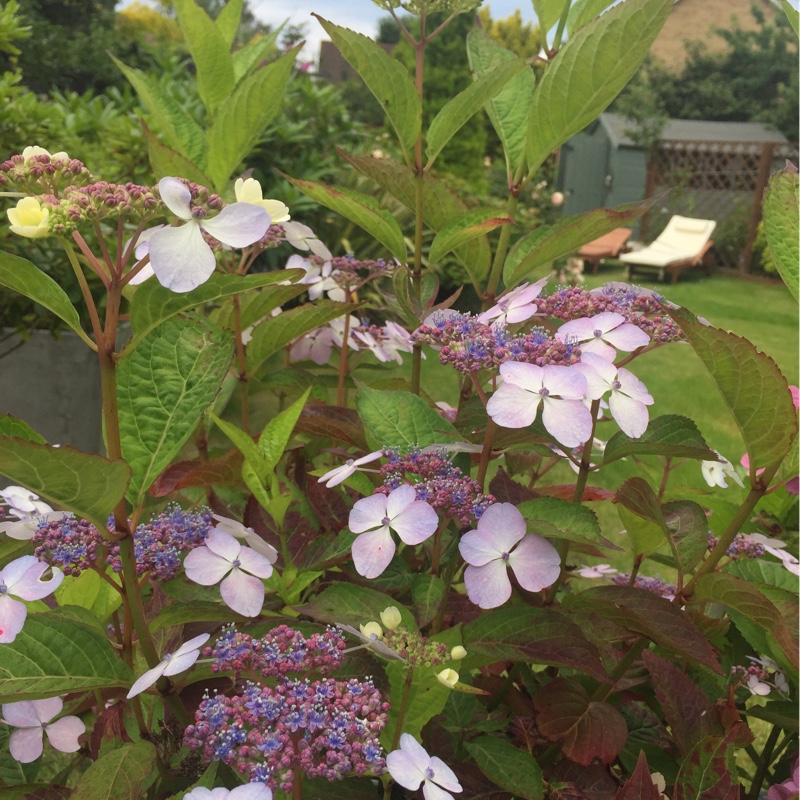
[336, 422]
[708, 772]
[640, 785]
[587, 729]
[507, 490]
[183, 474]
[567, 491]
[328, 506]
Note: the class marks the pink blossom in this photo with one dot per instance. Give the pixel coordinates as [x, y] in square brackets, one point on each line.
[376, 516]
[301, 237]
[501, 542]
[316, 346]
[559, 389]
[319, 279]
[789, 788]
[514, 306]
[32, 719]
[412, 767]
[22, 578]
[596, 571]
[221, 556]
[171, 664]
[339, 474]
[247, 791]
[602, 333]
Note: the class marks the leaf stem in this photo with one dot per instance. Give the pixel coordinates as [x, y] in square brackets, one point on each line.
[763, 763]
[241, 363]
[500, 254]
[486, 453]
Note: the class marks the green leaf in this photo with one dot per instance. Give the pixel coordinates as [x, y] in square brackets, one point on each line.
[669, 435]
[88, 590]
[279, 429]
[163, 388]
[20, 275]
[781, 713]
[88, 485]
[54, 656]
[248, 448]
[401, 419]
[792, 15]
[245, 116]
[258, 305]
[507, 766]
[709, 770]
[153, 304]
[247, 57]
[353, 605]
[561, 519]
[425, 698]
[386, 78]
[178, 127]
[752, 386]
[508, 109]
[589, 72]
[464, 228]
[548, 12]
[550, 242]
[166, 161]
[427, 592]
[441, 204]
[645, 537]
[228, 19]
[210, 53]
[19, 429]
[359, 209]
[182, 613]
[781, 225]
[461, 108]
[275, 333]
[120, 774]
[756, 570]
[583, 11]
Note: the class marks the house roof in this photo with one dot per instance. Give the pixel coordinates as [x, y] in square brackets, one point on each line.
[693, 130]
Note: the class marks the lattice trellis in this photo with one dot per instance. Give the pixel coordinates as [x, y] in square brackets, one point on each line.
[723, 181]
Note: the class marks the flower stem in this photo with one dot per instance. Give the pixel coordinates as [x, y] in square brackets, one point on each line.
[241, 364]
[500, 254]
[341, 389]
[486, 453]
[763, 763]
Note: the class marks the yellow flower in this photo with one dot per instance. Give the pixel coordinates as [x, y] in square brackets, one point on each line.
[371, 630]
[390, 617]
[29, 219]
[249, 191]
[448, 677]
[34, 150]
[457, 653]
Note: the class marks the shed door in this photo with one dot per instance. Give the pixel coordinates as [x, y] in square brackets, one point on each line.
[584, 160]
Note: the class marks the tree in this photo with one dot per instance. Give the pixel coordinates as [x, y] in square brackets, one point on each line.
[524, 39]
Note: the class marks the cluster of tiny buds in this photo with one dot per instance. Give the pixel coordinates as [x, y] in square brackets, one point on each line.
[281, 651]
[470, 346]
[68, 543]
[349, 267]
[760, 678]
[649, 584]
[43, 173]
[438, 482]
[274, 237]
[741, 547]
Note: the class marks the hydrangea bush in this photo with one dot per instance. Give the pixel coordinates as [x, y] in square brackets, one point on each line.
[376, 592]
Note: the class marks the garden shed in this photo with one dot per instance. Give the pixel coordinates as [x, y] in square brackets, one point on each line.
[714, 170]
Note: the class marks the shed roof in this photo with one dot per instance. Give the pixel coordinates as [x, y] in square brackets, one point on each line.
[693, 130]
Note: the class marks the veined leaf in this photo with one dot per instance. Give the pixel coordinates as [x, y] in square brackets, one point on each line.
[781, 226]
[548, 243]
[509, 767]
[463, 229]
[228, 19]
[752, 386]
[120, 774]
[583, 11]
[17, 428]
[20, 275]
[563, 519]
[353, 605]
[589, 72]
[669, 435]
[461, 108]
[244, 117]
[386, 78]
[166, 161]
[163, 388]
[279, 429]
[245, 444]
[247, 57]
[210, 53]
[792, 15]
[548, 12]
[88, 485]
[640, 785]
[360, 209]
[508, 109]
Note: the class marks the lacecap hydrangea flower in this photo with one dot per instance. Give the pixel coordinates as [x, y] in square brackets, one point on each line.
[32, 718]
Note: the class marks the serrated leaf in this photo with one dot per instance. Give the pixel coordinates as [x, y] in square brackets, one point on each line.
[401, 419]
[53, 656]
[88, 485]
[461, 108]
[583, 11]
[354, 605]
[278, 431]
[258, 305]
[120, 774]
[756, 570]
[334, 421]
[166, 161]
[275, 333]
[245, 116]
[509, 767]
[88, 590]
[182, 613]
[463, 229]
[645, 537]
[668, 435]
[247, 57]
[548, 12]
[386, 78]
[227, 20]
[20, 275]
[425, 698]
[709, 771]
[178, 127]
[359, 209]
[427, 592]
[19, 429]
[589, 72]
[586, 729]
[562, 519]
[508, 109]
[792, 15]
[210, 53]
[163, 388]
[441, 205]
[535, 635]
[640, 785]
[550, 242]
[652, 616]
[754, 389]
[781, 226]
[245, 444]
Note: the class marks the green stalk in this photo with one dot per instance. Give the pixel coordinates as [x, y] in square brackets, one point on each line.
[763, 763]
[401, 716]
[500, 254]
[241, 364]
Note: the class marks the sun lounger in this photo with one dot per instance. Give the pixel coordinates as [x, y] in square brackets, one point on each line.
[608, 246]
[683, 244]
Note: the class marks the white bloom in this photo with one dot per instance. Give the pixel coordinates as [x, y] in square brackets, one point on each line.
[172, 663]
[249, 191]
[715, 473]
[596, 571]
[247, 791]
[758, 687]
[250, 537]
[32, 718]
[23, 503]
[301, 237]
[411, 766]
[448, 677]
[339, 474]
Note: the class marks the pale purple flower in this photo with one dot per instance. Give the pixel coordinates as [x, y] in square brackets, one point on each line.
[24, 529]
[515, 306]
[376, 516]
[32, 720]
[629, 396]
[789, 788]
[143, 249]
[22, 578]
[501, 542]
[397, 340]
[250, 537]
[316, 346]
[301, 237]
[560, 390]
[171, 664]
[241, 570]
[716, 473]
[412, 767]
[603, 334]
[23, 503]
[339, 474]
[180, 256]
[337, 326]
[447, 411]
[596, 571]
[787, 559]
[319, 279]
[375, 347]
[248, 791]
[757, 686]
